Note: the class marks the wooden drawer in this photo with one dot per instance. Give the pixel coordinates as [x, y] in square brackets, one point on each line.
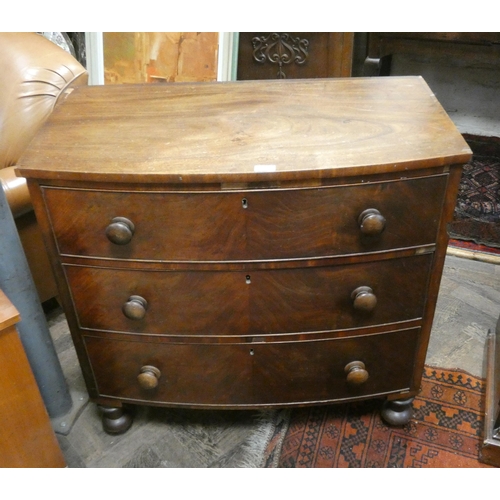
[253, 374]
[250, 302]
[247, 225]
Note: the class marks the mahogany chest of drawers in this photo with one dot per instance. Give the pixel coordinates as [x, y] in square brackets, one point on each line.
[251, 244]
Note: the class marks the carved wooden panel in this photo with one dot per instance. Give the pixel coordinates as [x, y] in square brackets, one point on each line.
[294, 55]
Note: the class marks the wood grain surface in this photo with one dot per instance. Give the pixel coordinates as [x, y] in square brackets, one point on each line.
[247, 225]
[252, 375]
[250, 302]
[245, 131]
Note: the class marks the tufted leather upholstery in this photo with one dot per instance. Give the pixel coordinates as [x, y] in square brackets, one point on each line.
[35, 75]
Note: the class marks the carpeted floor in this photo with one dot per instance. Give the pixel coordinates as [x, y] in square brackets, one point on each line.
[445, 431]
[477, 213]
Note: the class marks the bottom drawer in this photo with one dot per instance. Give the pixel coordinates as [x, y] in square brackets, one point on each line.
[249, 375]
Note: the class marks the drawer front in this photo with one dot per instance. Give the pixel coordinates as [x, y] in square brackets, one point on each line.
[246, 225]
[252, 374]
[250, 302]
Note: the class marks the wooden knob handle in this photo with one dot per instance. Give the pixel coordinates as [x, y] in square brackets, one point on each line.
[371, 222]
[120, 231]
[356, 373]
[148, 377]
[135, 307]
[364, 299]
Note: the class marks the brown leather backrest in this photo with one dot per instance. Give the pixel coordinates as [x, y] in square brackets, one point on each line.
[34, 75]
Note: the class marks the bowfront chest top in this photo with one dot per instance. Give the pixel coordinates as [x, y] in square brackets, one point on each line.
[248, 244]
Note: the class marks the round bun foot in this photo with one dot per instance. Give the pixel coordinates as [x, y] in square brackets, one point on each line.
[115, 420]
[397, 412]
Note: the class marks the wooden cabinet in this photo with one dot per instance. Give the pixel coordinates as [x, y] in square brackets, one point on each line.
[26, 435]
[263, 56]
[248, 245]
[480, 49]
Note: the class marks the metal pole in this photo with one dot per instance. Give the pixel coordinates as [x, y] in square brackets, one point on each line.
[17, 283]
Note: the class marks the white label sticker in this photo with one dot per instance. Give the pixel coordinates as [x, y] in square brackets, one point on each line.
[264, 168]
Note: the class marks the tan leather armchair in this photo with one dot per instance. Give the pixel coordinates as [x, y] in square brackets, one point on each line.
[35, 75]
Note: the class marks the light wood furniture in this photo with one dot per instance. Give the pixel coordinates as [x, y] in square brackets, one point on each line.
[26, 435]
[249, 244]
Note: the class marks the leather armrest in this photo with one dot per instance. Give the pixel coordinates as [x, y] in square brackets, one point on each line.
[16, 192]
[35, 76]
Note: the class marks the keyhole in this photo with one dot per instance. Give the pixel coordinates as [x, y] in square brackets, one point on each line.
[244, 203]
[248, 280]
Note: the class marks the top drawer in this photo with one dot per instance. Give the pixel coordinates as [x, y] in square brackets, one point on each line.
[246, 225]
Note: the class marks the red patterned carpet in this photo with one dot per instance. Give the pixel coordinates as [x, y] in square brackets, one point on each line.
[445, 431]
[477, 212]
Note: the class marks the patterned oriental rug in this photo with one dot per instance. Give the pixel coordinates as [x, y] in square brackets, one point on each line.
[477, 213]
[445, 431]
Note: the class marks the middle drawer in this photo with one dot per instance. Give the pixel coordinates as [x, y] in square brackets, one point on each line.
[251, 302]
